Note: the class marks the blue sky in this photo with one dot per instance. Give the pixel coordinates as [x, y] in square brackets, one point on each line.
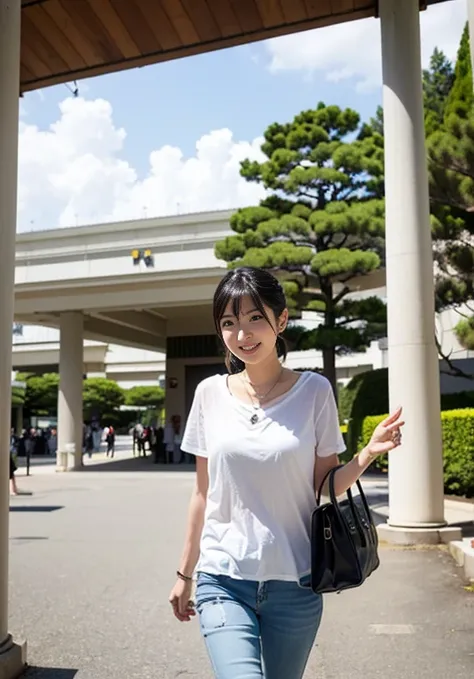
[170, 137]
[177, 102]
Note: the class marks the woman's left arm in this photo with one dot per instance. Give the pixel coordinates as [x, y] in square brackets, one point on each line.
[386, 437]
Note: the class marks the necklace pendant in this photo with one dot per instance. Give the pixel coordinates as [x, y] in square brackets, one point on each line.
[254, 418]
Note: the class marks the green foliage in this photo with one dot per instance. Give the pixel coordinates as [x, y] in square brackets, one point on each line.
[465, 332]
[367, 395]
[460, 99]
[449, 124]
[451, 167]
[376, 123]
[458, 451]
[152, 396]
[18, 396]
[438, 80]
[101, 396]
[451, 171]
[367, 428]
[41, 394]
[321, 227]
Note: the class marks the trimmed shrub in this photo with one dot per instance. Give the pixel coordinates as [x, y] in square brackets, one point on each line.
[367, 394]
[458, 449]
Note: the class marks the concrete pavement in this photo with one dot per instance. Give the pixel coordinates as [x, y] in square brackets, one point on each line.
[93, 557]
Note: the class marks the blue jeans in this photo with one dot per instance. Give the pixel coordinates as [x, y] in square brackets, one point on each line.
[257, 630]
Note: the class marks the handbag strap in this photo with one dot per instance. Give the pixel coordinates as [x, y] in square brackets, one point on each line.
[350, 498]
[320, 489]
[332, 494]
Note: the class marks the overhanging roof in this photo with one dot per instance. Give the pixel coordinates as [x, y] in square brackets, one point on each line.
[65, 40]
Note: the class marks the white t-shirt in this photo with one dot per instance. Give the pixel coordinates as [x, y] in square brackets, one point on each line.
[261, 476]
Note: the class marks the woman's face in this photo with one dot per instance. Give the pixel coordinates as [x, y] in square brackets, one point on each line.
[250, 337]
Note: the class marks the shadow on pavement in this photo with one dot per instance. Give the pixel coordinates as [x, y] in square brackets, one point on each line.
[134, 464]
[49, 673]
[35, 508]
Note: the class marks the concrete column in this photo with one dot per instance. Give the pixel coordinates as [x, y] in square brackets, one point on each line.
[415, 470]
[12, 656]
[71, 364]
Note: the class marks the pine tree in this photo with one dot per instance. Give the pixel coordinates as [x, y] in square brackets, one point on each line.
[451, 169]
[438, 81]
[461, 96]
[322, 226]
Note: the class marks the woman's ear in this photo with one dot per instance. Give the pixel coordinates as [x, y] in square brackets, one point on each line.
[283, 321]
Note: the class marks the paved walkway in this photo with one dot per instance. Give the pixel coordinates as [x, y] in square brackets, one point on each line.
[92, 561]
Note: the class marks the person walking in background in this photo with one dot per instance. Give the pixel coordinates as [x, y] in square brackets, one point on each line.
[110, 441]
[53, 441]
[96, 436]
[139, 439]
[88, 440]
[30, 448]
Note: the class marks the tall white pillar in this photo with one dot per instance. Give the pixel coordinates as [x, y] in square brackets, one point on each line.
[11, 655]
[71, 366]
[416, 469]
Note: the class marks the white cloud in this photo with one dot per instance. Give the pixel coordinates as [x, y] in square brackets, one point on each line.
[75, 173]
[352, 50]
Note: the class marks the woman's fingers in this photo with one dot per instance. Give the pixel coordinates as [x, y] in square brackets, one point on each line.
[394, 427]
[393, 417]
[183, 608]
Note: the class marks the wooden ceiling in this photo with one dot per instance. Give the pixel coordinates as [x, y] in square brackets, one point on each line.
[65, 40]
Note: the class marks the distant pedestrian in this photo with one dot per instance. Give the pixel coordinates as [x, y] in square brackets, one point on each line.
[30, 448]
[110, 441]
[139, 439]
[53, 442]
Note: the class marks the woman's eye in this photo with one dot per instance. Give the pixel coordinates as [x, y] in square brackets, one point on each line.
[257, 317]
[226, 324]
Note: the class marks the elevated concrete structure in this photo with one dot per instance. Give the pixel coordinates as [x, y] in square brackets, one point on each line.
[91, 269]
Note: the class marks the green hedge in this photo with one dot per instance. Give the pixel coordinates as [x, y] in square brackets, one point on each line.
[367, 394]
[458, 448]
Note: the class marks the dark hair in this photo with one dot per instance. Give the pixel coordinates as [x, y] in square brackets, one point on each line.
[263, 288]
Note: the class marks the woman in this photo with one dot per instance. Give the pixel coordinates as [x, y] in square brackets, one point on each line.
[264, 438]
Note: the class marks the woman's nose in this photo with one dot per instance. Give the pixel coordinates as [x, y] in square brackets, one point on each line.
[243, 334]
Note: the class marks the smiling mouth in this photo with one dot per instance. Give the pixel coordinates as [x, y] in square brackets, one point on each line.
[250, 347]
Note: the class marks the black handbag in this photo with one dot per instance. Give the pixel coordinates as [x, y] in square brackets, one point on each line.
[344, 541]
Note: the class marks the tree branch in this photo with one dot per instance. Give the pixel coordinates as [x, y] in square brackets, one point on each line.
[453, 371]
[453, 167]
[345, 290]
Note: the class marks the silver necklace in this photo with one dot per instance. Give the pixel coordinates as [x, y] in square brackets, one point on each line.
[261, 397]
